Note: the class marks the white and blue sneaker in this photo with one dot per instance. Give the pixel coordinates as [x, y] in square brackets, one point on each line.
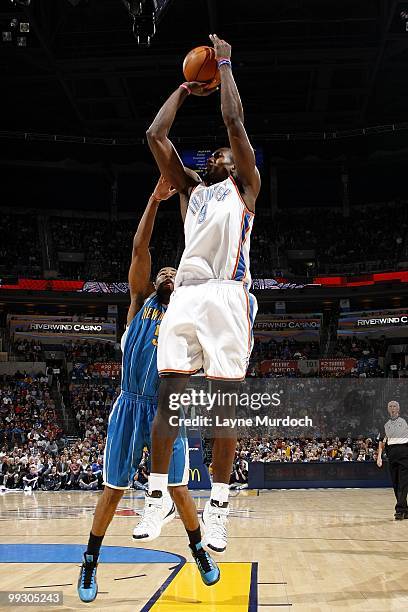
[87, 586]
[209, 571]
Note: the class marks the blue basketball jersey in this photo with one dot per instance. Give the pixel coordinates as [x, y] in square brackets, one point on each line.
[139, 347]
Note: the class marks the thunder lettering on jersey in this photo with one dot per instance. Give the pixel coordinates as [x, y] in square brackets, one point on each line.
[217, 231]
[139, 348]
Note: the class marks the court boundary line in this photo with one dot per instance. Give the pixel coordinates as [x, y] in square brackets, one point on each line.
[253, 589]
[150, 603]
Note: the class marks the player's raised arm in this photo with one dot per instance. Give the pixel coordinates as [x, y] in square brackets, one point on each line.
[140, 285]
[233, 116]
[164, 152]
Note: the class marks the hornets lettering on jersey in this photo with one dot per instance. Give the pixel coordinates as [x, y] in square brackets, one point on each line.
[154, 314]
[139, 346]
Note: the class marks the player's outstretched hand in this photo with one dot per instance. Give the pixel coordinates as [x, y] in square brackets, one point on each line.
[379, 462]
[200, 89]
[163, 189]
[221, 47]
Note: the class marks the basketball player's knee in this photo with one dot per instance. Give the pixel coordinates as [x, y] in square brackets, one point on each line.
[179, 495]
[171, 386]
[112, 496]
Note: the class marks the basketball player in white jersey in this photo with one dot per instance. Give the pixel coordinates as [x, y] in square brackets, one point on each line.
[208, 323]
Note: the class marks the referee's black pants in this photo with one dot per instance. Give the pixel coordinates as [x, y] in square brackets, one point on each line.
[398, 463]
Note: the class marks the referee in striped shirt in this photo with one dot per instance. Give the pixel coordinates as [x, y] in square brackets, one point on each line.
[396, 444]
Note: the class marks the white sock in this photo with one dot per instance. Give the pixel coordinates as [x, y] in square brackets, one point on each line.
[220, 492]
[158, 482]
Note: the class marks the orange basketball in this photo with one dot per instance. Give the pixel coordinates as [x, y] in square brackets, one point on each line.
[200, 65]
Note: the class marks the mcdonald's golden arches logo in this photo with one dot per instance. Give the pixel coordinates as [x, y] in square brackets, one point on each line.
[193, 473]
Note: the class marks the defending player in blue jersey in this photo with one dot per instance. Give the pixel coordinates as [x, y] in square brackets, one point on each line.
[132, 415]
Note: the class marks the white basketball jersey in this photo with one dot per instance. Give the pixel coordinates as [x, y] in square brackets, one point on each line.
[217, 231]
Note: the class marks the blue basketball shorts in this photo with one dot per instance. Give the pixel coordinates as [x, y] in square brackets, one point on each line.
[129, 431]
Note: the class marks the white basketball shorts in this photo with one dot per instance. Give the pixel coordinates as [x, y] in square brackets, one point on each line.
[208, 325]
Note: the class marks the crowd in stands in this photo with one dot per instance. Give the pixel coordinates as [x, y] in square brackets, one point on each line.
[353, 346]
[305, 450]
[331, 235]
[107, 245]
[337, 240]
[91, 403]
[103, 246]
[27, 409]
[20, 249]
[29, 427]
[368, 355]
[89, 352]
[35, 453]
[34, 450]
[283, 349]
[27, 350]
[85, 351]
[294, 450]
[29, 467]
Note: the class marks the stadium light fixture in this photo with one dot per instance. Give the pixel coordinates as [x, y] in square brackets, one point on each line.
[21, 2]
[145, 15]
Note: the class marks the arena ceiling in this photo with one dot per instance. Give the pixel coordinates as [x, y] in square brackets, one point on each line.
[301, 65]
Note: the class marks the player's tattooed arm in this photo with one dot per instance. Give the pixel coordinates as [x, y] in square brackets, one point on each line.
[233, 116]
[164, 152]
[140, 284]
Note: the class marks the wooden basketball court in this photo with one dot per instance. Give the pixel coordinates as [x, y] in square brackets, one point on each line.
[306, 550]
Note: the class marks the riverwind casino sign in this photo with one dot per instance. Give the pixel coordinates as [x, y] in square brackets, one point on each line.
[50, 328]
[376, 323]
[297, 326]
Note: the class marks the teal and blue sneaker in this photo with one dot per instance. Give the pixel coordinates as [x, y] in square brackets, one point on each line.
[209, 572]
[87, 586]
